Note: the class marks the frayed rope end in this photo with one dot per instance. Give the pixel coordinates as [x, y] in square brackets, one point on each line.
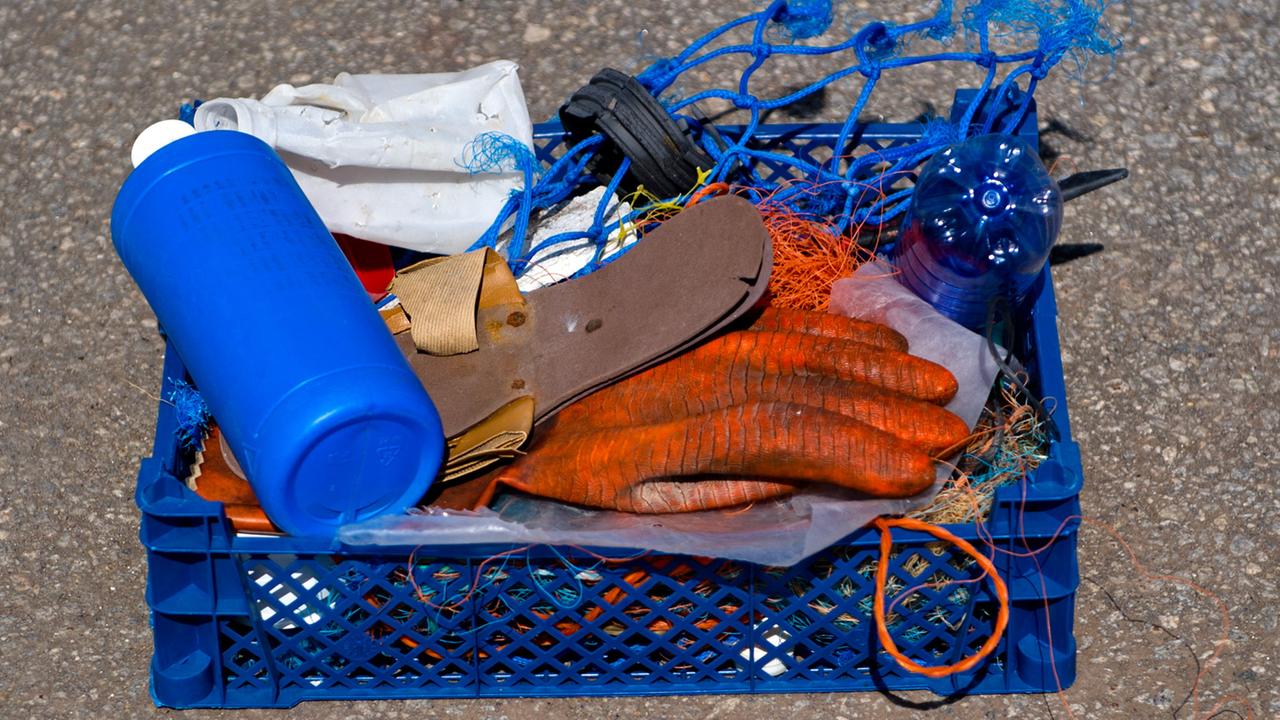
[192, 413]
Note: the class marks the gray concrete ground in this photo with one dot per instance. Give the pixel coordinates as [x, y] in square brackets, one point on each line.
[1171, 335]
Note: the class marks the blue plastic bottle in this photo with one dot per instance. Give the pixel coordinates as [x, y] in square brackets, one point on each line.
[328, 421]
[983, 217]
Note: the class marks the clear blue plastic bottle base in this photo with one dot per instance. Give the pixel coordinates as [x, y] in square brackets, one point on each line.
[983, 217]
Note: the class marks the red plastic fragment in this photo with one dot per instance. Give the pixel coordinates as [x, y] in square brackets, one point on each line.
[372, 263]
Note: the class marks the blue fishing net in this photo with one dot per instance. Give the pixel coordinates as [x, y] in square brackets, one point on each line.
[1009, 45]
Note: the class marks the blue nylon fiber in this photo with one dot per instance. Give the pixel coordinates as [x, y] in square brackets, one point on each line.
[1043, 33]
[804, 19]
[940, 132]
[653, 76]
[191, 413]
[497, 152]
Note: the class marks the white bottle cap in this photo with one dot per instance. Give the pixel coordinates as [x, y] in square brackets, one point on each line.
[157, 136]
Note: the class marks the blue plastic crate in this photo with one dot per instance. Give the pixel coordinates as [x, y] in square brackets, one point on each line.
[271, 621]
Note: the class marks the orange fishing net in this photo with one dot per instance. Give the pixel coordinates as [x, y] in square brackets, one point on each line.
[809, 252]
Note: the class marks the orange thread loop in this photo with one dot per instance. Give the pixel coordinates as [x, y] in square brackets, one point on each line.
[886, 525]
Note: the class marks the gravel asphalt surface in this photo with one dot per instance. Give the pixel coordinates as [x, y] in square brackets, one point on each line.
[1171, 335]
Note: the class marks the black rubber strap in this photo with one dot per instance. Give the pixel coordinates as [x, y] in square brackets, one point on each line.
[664, 158]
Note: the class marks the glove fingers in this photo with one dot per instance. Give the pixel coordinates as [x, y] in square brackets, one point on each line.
[780, 442]
[786, 441]
[789, 353]
[706, 492]
[676, 390]
[829, 325]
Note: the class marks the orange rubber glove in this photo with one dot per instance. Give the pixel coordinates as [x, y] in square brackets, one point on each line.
[798, 398]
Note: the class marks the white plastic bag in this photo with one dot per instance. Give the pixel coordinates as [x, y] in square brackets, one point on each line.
[770, 533]
[381, 157]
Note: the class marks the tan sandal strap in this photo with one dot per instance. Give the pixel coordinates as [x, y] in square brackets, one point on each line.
[440, 296]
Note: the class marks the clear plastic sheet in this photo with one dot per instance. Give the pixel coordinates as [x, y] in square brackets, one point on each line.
[775, 533]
